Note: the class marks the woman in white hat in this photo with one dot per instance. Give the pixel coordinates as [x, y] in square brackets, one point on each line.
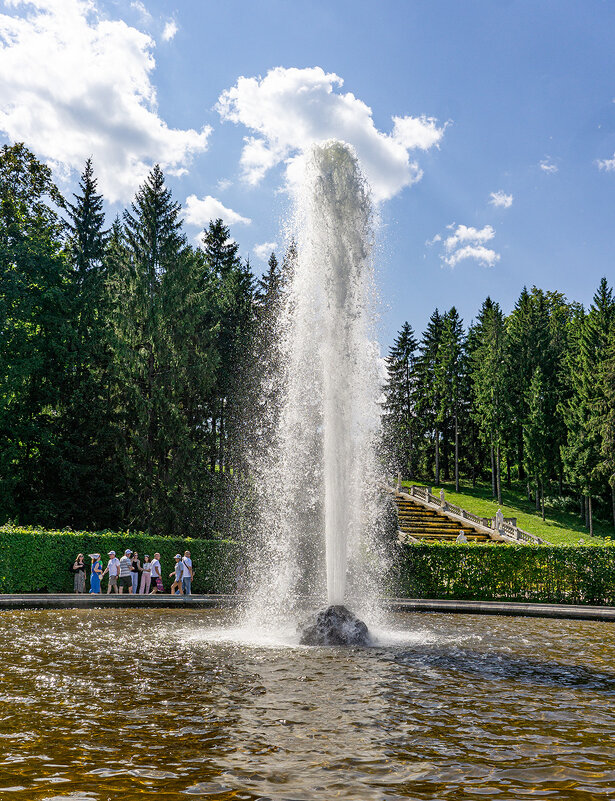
[96, 574]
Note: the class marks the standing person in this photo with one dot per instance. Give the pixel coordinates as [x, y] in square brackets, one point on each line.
[126, 572]
[156, 575]
[146, 575]
[135, 572]
[188, 573]
[113, 569]
[179, 574]
[96, 573]
[79, 574]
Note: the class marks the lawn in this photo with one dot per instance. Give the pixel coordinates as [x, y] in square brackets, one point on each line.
[559, 528]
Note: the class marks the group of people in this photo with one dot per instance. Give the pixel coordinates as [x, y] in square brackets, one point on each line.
[133, 575]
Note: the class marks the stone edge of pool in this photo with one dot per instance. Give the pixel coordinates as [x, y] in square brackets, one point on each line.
[71, 601]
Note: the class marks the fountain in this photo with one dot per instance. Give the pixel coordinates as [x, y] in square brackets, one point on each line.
[317, 533]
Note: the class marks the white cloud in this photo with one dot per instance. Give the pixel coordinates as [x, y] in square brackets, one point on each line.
[607, 164]
[501, 199]
[466, 234]
[289, 109]
[201, 211]
[75, 84]
[436, 238]
[264, 250]
[141, 10]
[546, 165]
[418, 132]
[467, 242]
[170, 29]
[224, 184]
[481, 254]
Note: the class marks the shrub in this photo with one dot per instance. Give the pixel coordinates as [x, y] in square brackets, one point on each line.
[37, 560]
[537, 573]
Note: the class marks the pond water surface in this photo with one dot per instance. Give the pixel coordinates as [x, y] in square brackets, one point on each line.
[116, 704]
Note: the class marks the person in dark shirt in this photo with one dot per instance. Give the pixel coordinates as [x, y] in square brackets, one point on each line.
[79, 574]
[135, 572]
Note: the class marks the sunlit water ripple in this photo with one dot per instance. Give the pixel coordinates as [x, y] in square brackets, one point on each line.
[112, 704]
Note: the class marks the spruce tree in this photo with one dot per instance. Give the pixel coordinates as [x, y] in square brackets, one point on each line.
[399, 391]
[488, 373]
[536, 433]
[156, 245]
[607, 419]
[427, 398]
[449, 369]
[582, 411]
[87, 486]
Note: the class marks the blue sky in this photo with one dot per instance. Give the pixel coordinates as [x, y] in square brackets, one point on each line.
[509, 123]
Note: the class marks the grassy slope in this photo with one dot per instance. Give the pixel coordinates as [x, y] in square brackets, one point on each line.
[560, 528]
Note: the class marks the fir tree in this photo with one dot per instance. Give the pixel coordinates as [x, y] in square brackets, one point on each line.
[427, 400]
[536, 434]
[488, 373]
[399, 391]
[449, 369]
[581, 453]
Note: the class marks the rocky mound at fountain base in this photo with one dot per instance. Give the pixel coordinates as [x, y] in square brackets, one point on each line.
[335, 625]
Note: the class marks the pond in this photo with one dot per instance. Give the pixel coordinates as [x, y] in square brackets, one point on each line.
[109, 704]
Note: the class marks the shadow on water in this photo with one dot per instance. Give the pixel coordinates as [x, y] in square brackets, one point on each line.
[498, 666]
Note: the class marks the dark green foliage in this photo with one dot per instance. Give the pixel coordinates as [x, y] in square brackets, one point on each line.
[121, 359]
[35, 560]
[531, 394]
[86, 487]
[35, 333]
[399, 408]
[540, 574]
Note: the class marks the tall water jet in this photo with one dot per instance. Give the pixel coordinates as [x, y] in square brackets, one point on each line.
[316, 487]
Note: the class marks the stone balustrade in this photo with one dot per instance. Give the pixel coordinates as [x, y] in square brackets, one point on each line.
[506, 527]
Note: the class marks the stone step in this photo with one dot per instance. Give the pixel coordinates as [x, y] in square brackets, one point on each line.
[429, 525]
[449, 532]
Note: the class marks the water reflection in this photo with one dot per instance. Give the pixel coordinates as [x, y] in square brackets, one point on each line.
[106, 704]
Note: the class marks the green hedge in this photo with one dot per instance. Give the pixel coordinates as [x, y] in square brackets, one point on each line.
[35, 560]
[538, 573]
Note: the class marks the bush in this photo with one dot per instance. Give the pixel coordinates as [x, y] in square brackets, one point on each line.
[537, 573]
[37, 560]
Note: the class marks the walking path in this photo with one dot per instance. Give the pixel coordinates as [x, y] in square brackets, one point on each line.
[72, 601]
[558, 611]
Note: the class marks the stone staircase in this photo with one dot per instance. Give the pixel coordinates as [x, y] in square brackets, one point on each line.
[418, 522]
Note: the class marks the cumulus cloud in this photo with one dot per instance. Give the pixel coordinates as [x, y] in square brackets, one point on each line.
[264, 250]
[75, 84]
[501, 199]
[607, 164]
[464, 234]
[170, 29]
[479, 253]
[224, 184]
[546, 165]
[467, 242]
[199, 211]
[289, 109]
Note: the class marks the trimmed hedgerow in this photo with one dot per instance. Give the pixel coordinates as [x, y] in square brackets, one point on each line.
[536, 573]
[37, 560]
